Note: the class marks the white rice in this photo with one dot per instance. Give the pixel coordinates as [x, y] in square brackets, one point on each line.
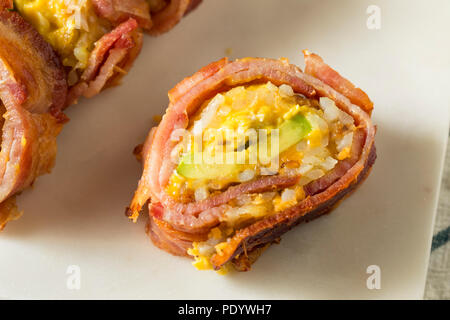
[234, 214]
[346, 119]
[224, 111]
[333, 113]
[75, 8]
[346, 141]
[201, 194]
[207, 114]
[325, 140]
[243, 199]
[268, 195]
[246, 175]
[206, 249]
[309, 159]
[286, 90]
[302, 145]
[328, 163]
[330, 110]
[271, 87]
[319, 152]
[304, 180]
[317, 122]
[314, 174]
[288, 195]
[304, 168]
[268, 171]
[290, 172]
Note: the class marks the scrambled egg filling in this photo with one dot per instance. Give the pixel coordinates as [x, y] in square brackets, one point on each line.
[70, 26]
[260, 106]
[223, 120]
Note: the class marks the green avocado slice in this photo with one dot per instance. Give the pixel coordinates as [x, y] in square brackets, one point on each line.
[290, 132]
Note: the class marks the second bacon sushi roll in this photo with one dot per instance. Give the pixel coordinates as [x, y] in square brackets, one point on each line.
[95, 51]
[248, 149]
[33, 91]
[99, 40]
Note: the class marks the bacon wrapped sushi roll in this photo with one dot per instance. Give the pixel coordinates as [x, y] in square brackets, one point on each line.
[98, 40]
[33, 91]
[206, 204]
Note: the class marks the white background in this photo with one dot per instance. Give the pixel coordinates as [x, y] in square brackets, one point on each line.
[75, 216]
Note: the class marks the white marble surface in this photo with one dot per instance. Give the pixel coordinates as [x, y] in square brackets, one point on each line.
[75, 215]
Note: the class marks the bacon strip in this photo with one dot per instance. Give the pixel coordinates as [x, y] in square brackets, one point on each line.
[32, 93]
[116, 51]
[170, 239]
[155, 23]
[196, 218]
[106, 72]
[112, 57]
[118, 11]
[169, 17]
[318, 69]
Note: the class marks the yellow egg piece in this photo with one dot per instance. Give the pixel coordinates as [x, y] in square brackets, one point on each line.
[71, 27]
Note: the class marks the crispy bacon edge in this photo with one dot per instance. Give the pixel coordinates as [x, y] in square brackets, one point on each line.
[198, 218]
[169, 17]
[33, 91]
[155, 23]
[118, 11]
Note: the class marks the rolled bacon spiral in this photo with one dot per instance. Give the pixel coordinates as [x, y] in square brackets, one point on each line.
[111, 59]
[121, 22]
[174, 225]
[33, 92]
